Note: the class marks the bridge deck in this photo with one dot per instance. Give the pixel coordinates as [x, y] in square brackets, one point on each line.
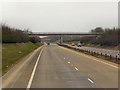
[62, 34]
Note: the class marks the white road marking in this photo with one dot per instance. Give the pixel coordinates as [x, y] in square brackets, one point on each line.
[6, 82]
[90, 80]
[90, 57]
[64, 58]
[76, 68]
[69, 62]
[33, 72]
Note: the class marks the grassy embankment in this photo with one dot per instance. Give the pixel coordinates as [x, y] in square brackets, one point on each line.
[97, 46]
[12, 53]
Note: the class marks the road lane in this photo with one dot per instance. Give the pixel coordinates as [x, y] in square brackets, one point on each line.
[54, 72]
[59, 67]
[106, 76]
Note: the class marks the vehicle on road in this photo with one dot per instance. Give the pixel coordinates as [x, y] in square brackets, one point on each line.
[79, 45]
[73, 44]
[48, 43]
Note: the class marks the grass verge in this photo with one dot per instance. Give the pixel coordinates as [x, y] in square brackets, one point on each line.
[11, 53]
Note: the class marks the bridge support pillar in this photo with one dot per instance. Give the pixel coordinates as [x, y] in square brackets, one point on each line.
[61, 39]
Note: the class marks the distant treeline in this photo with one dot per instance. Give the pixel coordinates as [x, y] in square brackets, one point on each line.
[13, 35]
[110, 37]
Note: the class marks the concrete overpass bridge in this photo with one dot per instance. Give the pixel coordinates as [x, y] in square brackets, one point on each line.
[61, 34]
[34, 34]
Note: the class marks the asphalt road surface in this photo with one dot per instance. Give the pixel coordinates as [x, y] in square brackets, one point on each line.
[53, 66]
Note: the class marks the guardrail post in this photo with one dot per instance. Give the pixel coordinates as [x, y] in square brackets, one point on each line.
[105, 56]
[97, 54]
[110, 57]
[89, 52]
[116, 58]
[93, 53]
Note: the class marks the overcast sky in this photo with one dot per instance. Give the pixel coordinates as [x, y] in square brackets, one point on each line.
[60, 16]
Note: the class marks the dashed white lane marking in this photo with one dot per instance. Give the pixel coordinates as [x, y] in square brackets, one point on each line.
[64, 58]
[90, 57]
[76, 68]
[33, 72]
[69, 62]
[90, 80]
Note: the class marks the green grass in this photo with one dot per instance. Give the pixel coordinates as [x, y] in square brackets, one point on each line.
[11, 53]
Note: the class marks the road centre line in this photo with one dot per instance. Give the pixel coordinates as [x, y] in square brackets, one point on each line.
[33, 72]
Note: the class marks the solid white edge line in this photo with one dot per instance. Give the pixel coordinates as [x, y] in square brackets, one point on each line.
[76, 68]
[90, 80]
[33, 72]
